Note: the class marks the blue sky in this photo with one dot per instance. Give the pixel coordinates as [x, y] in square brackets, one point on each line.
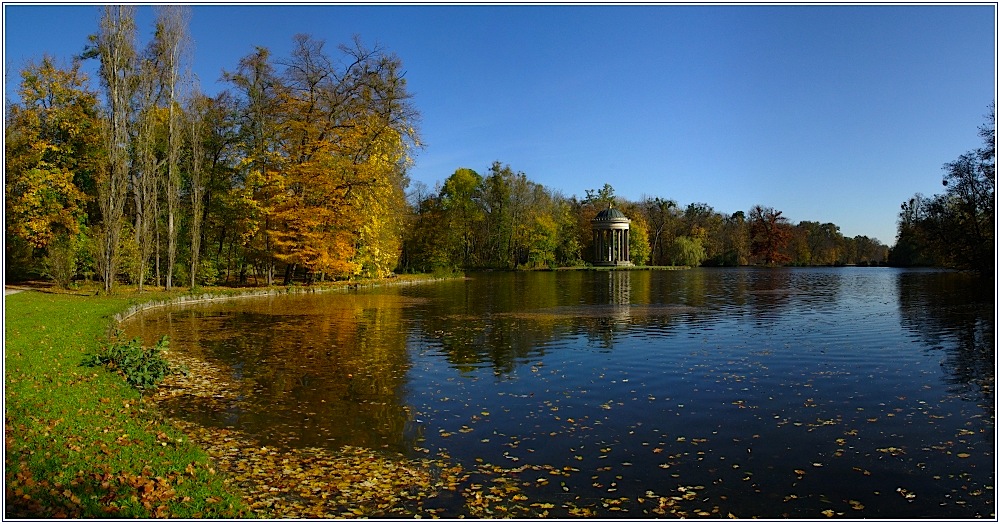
[828, 113]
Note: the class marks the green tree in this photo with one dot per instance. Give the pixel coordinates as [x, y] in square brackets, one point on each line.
[703, 223]
[954, 229]
[971, 184]
[870, 252]
[687, 251]
[148, 159]
[735, 241]
[913, 240]
[197, 117]
[568, 248]
[460, 200]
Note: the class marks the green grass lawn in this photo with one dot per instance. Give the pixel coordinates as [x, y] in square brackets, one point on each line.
[79, 441]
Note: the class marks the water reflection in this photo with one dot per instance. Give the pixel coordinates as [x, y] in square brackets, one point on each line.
[733, 380]
[324, 371]
[954, 312]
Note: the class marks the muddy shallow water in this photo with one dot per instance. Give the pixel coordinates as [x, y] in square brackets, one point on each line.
[802, 393]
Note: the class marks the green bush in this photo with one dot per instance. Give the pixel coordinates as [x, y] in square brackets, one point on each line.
[208, 273]
[142, 367]
[60, 261]
[445, 272]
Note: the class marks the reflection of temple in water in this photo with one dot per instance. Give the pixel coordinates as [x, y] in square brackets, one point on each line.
[620, 294]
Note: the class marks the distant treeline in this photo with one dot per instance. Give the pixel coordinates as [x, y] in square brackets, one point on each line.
[298, 172]
[502, 220]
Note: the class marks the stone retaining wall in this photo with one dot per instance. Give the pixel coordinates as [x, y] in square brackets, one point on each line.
[253, 293]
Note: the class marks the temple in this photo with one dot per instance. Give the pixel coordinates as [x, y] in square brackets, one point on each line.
[610, 228]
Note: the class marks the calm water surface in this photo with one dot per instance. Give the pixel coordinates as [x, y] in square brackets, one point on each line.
[861, 392]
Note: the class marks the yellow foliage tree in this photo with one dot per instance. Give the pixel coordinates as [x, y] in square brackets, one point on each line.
[346, 140]
[52, 148]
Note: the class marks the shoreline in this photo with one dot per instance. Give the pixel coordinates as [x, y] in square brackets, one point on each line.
[64, 422]
[245, 293]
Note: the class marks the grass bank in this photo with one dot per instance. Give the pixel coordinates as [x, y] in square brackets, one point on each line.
[80, 442]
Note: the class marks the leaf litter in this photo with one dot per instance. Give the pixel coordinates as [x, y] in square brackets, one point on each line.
[355, 482]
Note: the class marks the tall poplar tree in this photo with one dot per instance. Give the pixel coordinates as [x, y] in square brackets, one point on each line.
[170, 42]
[196, 113]
[145, 175]
[115, 45]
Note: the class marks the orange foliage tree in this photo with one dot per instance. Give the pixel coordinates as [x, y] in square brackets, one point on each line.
[769, 235]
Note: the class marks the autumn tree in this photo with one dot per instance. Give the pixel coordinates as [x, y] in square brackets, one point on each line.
[703, 224]
[735, 241]
[769, 234]
[52, 153]
[387, 119]
[259, 189]
[380, 204]
[312, 227]
[662, 216]
[346, 137]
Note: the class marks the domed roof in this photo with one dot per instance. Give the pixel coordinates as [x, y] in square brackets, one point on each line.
[610, 214]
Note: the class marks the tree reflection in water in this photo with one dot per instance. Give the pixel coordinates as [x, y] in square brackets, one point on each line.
[954, 312]
[752, 385]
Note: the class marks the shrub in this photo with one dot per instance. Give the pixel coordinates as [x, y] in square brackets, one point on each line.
[143, 368]
[208, 273]
[445, 272]
[61, 261]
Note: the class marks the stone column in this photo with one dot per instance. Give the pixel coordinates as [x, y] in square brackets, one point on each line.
[618, 256]
[610, 252]
[628, 254]
[614, 245]
[621, 249]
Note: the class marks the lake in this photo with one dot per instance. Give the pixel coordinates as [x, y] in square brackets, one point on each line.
[775, 393]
